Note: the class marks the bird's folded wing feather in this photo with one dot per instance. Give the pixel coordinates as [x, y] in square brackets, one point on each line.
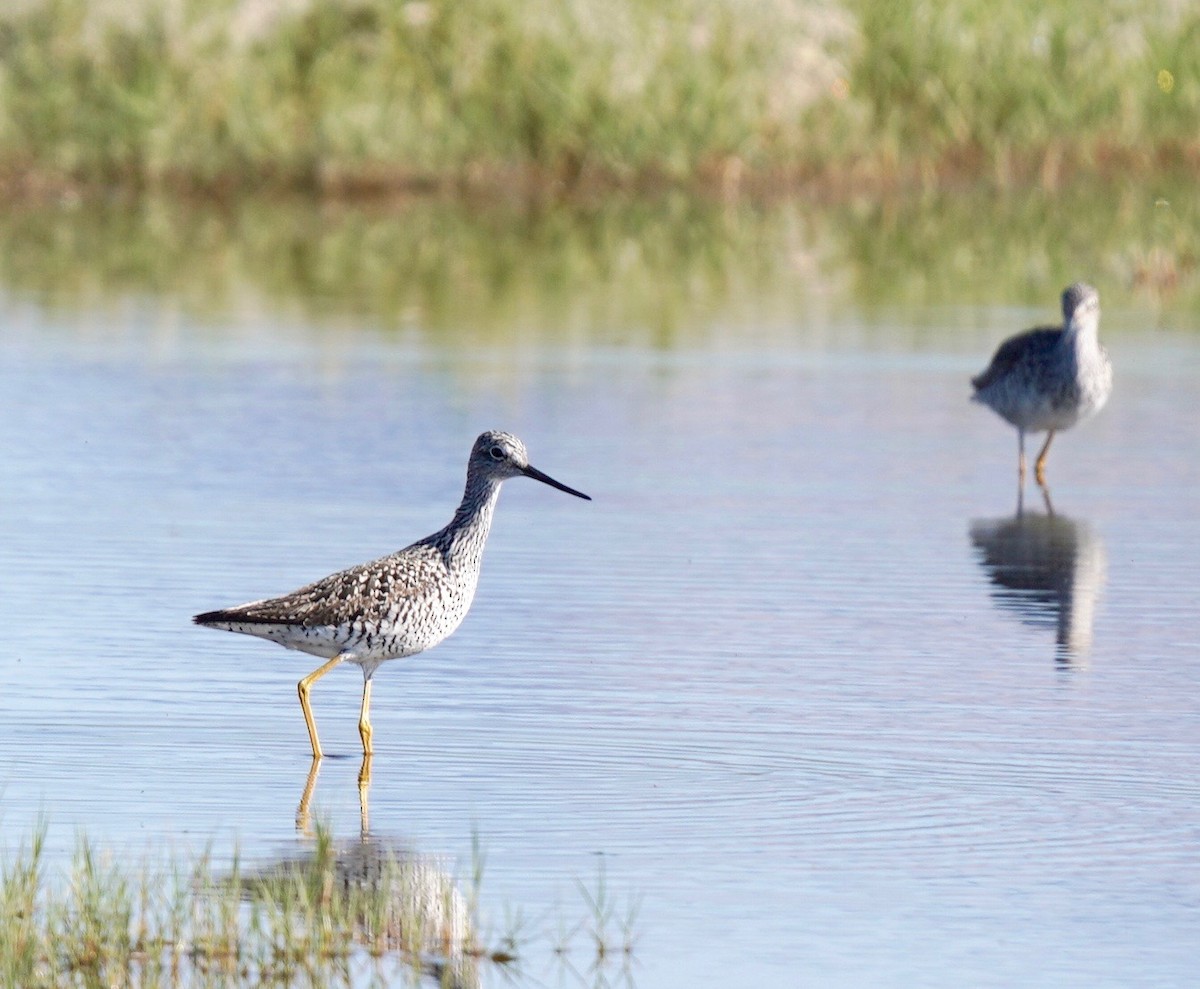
[1015, 350]
[366, 590]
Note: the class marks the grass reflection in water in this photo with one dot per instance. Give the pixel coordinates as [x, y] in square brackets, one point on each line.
[656, 273]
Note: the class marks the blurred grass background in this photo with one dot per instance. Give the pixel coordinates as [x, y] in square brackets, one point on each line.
[351, 96]
[452, 164]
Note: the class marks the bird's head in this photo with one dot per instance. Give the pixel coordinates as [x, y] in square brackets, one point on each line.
[501, 455]
[1081, 306]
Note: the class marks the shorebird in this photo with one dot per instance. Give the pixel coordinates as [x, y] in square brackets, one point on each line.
[398, 605]
[1049, 378]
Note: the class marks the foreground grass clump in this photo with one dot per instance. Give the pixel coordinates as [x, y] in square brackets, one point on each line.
[339, 914]
[323, 917]
[339, 94]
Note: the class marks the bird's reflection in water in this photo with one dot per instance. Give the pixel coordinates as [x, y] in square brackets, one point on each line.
[304, 812]
[1048, 570]
[401, 901]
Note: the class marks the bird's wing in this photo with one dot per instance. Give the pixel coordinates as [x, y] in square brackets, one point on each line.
[1013, 351]
[364, 590]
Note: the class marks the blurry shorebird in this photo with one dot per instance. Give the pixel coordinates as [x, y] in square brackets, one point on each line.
[1049, 378]
[398, 605]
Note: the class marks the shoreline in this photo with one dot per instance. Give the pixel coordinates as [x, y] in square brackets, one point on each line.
[1045, 170]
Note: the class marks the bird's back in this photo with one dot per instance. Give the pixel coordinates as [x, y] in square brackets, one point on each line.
[397, 605]
[1020, 355]
[1032, 381]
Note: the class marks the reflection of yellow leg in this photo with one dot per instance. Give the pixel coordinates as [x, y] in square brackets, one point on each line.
[364, 719]
[364, 790]
[1046, 499]
[302, 816]
[303, 688]
[1039, 469]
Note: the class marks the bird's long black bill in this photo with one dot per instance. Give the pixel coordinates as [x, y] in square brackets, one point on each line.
[537, 475]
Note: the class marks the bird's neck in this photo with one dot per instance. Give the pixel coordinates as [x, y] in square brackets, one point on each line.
[1082, 335]
[468, 530]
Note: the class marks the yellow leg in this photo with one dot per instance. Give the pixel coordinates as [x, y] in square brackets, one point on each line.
[303, 688]
[1039, 469]
[364, 719]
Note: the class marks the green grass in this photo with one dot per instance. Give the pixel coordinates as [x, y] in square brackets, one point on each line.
[1029, 86]
[347, 96]
[114, 924]
[341, 914]
[341, 94]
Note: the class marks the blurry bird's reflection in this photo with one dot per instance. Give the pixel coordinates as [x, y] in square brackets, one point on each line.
[1048, 570]
[424, 916]
[402, 902]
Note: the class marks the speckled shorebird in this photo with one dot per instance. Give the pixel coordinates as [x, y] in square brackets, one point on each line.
[398, 605]
[1049, 378]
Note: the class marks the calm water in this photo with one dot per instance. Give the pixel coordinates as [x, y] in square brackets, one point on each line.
[797, 676]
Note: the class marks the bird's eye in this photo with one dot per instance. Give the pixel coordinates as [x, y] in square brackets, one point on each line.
[496, 453]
